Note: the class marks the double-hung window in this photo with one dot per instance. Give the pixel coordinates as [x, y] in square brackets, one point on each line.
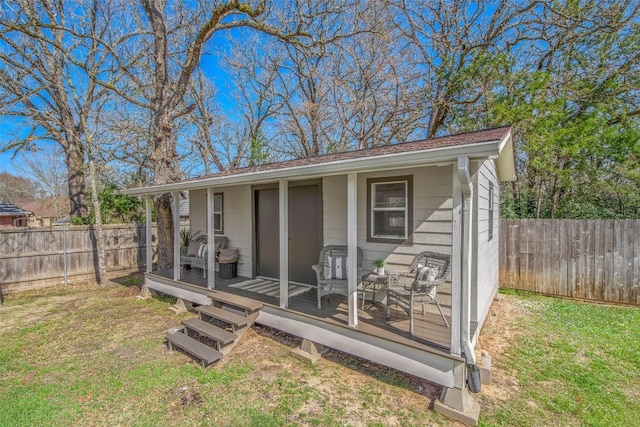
[389, 209]
[218, 225]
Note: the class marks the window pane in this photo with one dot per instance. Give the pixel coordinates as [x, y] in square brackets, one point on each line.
[390, 195]
[217, 221]
[389, 224]
[217, 203]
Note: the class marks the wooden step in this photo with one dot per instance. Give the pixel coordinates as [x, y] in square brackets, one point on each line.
[236, 321]
[246, 304]
[200, 351]
[221, 336]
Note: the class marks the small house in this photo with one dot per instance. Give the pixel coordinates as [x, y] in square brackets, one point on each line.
[390, 203]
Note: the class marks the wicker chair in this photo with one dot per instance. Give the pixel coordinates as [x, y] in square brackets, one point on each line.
[201, 262]
[405, 290]
[327, 285]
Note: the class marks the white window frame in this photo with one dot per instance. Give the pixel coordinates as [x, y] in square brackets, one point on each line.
[491, 209]
[404, 209]
[220, 212]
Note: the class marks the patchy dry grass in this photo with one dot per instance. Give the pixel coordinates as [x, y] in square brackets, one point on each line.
[88, 356]
[80, 355]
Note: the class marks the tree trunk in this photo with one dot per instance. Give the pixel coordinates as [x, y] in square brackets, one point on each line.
[165, 171]
[165, 231]
[100, 245]
[76, 180]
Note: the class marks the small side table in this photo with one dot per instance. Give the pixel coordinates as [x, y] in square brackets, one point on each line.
[374, 282]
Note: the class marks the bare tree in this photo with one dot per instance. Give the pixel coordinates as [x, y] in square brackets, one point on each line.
[17, 189]
[375, 91]
[306, 124]
[54, 54]
[205, 119]
[254, 68]
[42, 66]
[46, 169]
[452, 39]
[176, 36]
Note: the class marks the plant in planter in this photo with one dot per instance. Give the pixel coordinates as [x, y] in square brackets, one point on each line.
[379, 264]
[186, 236]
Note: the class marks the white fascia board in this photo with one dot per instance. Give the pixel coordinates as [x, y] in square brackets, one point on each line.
[475, 151]
[505, 162]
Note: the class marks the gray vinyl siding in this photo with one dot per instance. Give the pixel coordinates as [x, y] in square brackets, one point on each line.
[485, 252]
[432, 215]
[237, 222]
[334, 203]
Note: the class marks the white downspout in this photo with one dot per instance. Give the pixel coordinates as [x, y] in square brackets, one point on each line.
[466, 259]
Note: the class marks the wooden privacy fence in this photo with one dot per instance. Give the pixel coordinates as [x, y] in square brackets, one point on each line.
[595, 260]
[40, 257]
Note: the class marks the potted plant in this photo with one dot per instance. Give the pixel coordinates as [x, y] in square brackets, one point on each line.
[186, 236]
[379, 264]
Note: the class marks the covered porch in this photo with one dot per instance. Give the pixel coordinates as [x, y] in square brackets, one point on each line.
[430, 334]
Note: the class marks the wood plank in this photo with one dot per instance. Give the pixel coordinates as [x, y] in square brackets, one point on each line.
[627, 260]
[608, 293]
[574, 243]
[233, 319]
[207, 329]
[635, 282]
[247, 304]
[598, 261]
[204, 353]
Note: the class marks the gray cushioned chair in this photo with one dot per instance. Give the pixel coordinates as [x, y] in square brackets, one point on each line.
[201, 262]
[406, 290]
[328, 285]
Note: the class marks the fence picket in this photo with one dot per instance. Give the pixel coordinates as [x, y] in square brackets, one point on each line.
[32, 258]
[588, 259]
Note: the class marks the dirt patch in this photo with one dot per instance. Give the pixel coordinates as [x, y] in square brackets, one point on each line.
[499, 331]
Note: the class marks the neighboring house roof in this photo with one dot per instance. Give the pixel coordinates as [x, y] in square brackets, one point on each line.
[9, 209]
[493, 143]
[49, 207]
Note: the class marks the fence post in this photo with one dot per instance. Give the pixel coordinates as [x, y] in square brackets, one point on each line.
[64, 252]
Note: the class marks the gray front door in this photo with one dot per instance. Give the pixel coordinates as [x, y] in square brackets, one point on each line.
[305, 232]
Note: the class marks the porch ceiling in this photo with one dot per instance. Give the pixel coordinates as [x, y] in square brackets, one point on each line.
[476, 145]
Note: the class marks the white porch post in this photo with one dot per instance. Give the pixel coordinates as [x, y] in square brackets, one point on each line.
[176, 235]
[148, 237]
[456, 264]
[211, 240]
[283, 204]
[352, 244]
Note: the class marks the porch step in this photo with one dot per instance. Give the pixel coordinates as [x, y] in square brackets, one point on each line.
[200, 351]
[236, 321]
[220, 336]
[248, 305]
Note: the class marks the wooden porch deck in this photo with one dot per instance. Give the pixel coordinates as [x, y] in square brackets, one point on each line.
[430, 334]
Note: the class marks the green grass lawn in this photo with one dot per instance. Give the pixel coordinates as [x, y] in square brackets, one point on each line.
[93, 357]
[575, 364]
[96, 357]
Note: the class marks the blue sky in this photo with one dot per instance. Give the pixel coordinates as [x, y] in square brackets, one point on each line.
[7, 128]
[10, 126]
